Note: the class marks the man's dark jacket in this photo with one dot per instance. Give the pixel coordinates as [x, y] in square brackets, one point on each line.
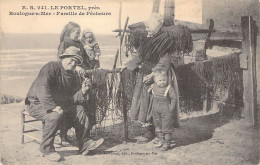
[55, 87]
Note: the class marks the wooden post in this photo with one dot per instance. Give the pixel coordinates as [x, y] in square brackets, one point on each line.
[119, 17]
[22, 125]
[208, 99]
[121, 41]
[169, 8]
[123, 93]
[248, 62]
[211, 26]
[256, 111]
[156, 6]
[125, 122]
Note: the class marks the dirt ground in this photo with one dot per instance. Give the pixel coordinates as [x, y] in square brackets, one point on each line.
[200, 140]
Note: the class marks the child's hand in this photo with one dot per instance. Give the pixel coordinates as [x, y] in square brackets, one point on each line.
[97, 58]
[91, 55]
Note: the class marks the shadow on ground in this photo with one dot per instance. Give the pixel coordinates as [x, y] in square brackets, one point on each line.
[193, 130]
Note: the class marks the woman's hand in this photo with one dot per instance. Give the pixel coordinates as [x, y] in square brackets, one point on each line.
[86, 86]
[148, 78]
[122, 67]
[81, 71]
[58, 110]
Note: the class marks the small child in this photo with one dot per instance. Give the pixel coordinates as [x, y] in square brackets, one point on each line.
[91, 46]
[163, 107]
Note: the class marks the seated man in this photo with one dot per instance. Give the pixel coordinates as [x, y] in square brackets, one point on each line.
[57, 95]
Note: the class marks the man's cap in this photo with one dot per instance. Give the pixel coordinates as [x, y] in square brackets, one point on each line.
[74, 52]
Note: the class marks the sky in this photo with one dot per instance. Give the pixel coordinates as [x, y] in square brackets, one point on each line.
[137, 10]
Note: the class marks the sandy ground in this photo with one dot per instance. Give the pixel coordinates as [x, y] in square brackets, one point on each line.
[200, 140]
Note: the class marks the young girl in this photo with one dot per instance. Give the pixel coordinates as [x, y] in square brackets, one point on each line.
[70, 37]
[91, 46]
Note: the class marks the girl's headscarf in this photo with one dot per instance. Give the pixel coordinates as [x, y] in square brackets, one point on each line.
[83, 39]
[67, 30]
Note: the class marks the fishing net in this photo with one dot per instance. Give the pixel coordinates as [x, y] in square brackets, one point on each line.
[99, 77]
[172, 40]
[218, 79]
[138, 34]
[111, 89]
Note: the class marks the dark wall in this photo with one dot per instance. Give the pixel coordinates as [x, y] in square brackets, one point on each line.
[227, 13]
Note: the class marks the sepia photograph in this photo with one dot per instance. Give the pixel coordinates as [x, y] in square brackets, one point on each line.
[129, 82]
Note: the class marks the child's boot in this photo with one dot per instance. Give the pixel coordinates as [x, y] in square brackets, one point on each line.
[160, 141]
[156, 140]
[166, 144]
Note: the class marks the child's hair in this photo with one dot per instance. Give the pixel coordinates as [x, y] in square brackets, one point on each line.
[159, 72]
[67, 30]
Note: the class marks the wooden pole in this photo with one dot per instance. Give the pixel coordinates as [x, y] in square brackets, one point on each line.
[22, 125]
[211, 26]
[248, 62]
[124, 94]
[256, 111]
[124, 111]
[169, 8]
[120, 44]
[121, 40]
[119, 17]
[156, 6]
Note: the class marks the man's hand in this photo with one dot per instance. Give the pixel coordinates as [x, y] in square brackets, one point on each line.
[86, 86]
[58, 110]
[81, 71]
